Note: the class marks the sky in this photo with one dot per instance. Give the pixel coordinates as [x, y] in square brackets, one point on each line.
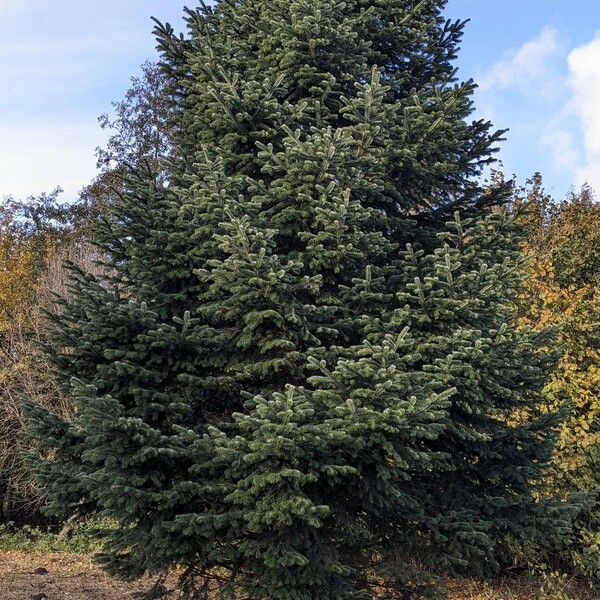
[537, 63]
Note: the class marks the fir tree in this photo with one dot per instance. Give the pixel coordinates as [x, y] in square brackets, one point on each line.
[299, 374]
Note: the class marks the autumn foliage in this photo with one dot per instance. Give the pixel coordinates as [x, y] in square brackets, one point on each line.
[563, 290]
[36, 237]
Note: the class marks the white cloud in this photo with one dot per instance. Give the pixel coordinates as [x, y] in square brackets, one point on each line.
[584, 69]
[566, 88]
[561, 145]
[526, 67]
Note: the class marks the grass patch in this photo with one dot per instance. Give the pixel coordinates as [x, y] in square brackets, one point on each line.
[83, 538]
[542, 586]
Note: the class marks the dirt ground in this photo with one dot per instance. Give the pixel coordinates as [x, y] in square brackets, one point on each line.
[28, 576]
[25, 576]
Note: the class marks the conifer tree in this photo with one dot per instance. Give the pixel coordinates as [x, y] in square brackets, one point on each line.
[298, 374]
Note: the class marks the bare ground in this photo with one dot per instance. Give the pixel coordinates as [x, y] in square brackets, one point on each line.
[31, 576]
[25, 576]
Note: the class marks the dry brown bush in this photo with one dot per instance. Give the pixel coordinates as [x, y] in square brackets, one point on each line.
[26, 373]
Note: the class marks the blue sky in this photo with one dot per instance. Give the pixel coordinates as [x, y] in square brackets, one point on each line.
[63, 62]
[537, 63]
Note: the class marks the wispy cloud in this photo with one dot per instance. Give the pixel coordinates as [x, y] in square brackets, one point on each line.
[554, 94]
[526, 67]
[584, 70]
[560, 144]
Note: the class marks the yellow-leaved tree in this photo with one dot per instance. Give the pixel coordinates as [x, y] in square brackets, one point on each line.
[28, 254]
[563, 290]
[17, 272]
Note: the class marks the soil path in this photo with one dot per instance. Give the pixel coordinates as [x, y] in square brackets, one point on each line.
[25, 576]
[33, 576]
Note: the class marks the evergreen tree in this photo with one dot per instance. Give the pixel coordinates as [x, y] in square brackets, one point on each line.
[298, 375]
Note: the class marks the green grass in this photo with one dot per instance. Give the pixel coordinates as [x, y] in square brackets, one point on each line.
[83, 538]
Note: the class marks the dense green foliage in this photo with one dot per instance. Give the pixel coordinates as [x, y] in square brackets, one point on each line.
[299, 374]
